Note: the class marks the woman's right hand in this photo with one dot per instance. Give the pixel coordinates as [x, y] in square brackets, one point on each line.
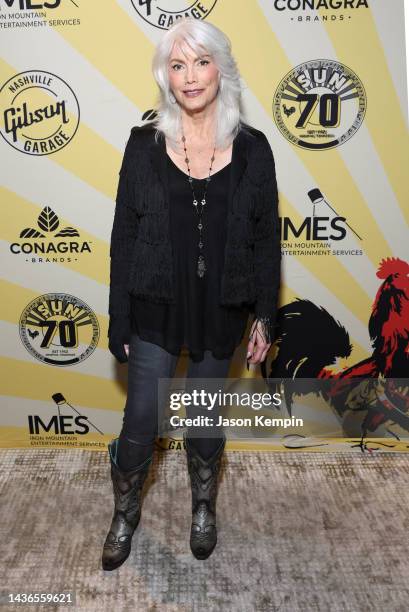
[119, 333]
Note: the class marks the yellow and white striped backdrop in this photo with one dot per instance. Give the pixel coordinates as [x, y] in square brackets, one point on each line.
[76, 76]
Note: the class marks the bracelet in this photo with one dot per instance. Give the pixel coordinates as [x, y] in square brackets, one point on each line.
[265, 323]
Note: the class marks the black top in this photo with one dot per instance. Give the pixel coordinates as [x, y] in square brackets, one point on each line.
[197, 320]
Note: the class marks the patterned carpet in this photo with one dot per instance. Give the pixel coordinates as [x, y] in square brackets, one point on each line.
[297, 532]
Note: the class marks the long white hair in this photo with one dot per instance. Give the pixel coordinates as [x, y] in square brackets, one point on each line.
[199, 35]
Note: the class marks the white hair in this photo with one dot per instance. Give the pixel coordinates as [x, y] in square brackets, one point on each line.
[199, 35]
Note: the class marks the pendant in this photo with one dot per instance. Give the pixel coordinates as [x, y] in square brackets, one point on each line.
[201, 266]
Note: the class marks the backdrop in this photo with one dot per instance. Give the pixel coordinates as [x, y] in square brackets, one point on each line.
[326, 82]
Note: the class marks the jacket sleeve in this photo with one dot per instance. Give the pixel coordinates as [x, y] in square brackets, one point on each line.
[267, 248]
[123, 235]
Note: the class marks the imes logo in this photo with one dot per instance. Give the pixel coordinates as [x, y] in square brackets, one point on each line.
[30, 5]
[65, 424]
[319, 105]
[62, 427]
[40, 112]
[32, 14]
[161, 15]
[313, 231]
[59, 329]
[43, 242]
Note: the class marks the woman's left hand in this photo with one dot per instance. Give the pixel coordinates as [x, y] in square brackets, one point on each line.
[257, 348]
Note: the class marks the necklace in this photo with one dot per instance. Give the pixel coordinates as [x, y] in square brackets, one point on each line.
[201, 265]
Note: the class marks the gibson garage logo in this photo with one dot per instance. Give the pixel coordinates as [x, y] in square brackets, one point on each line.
[164, 17]
[320, 104]
[59, 329]
[40, 112]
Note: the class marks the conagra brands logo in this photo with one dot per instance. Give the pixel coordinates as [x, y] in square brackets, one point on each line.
[50, 243]
[40, 112]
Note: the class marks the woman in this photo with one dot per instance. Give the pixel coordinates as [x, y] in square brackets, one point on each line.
[195, 248]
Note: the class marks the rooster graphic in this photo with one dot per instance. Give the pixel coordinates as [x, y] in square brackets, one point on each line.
[309, 341]
[288, 111]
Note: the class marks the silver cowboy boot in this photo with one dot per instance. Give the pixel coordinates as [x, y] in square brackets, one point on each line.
[203, 479]
[127, 488]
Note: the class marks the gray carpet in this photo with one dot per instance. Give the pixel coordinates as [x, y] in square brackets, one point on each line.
[298, 531]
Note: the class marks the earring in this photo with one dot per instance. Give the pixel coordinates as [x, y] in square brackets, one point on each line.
[172, 98]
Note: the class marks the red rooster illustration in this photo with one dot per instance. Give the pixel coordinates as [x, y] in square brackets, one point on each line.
[309, 341]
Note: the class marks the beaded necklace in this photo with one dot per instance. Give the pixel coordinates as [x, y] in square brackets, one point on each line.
[201, 264]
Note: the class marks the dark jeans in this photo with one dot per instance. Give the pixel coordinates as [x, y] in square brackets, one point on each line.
[147, 363]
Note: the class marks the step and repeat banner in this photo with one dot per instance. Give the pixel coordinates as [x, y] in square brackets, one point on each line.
[325, 80]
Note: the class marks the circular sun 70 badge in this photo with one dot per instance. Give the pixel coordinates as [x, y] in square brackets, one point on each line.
[319, 104]
[59, 329]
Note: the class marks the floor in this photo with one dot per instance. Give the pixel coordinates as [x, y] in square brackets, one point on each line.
[298, 531]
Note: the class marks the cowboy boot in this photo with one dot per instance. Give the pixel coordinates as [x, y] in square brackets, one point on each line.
[127, 488]
[203, 478]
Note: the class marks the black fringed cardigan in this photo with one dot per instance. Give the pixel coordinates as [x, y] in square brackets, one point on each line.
[141, 254]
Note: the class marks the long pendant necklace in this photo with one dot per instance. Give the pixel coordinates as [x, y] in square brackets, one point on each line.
[201, 265]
